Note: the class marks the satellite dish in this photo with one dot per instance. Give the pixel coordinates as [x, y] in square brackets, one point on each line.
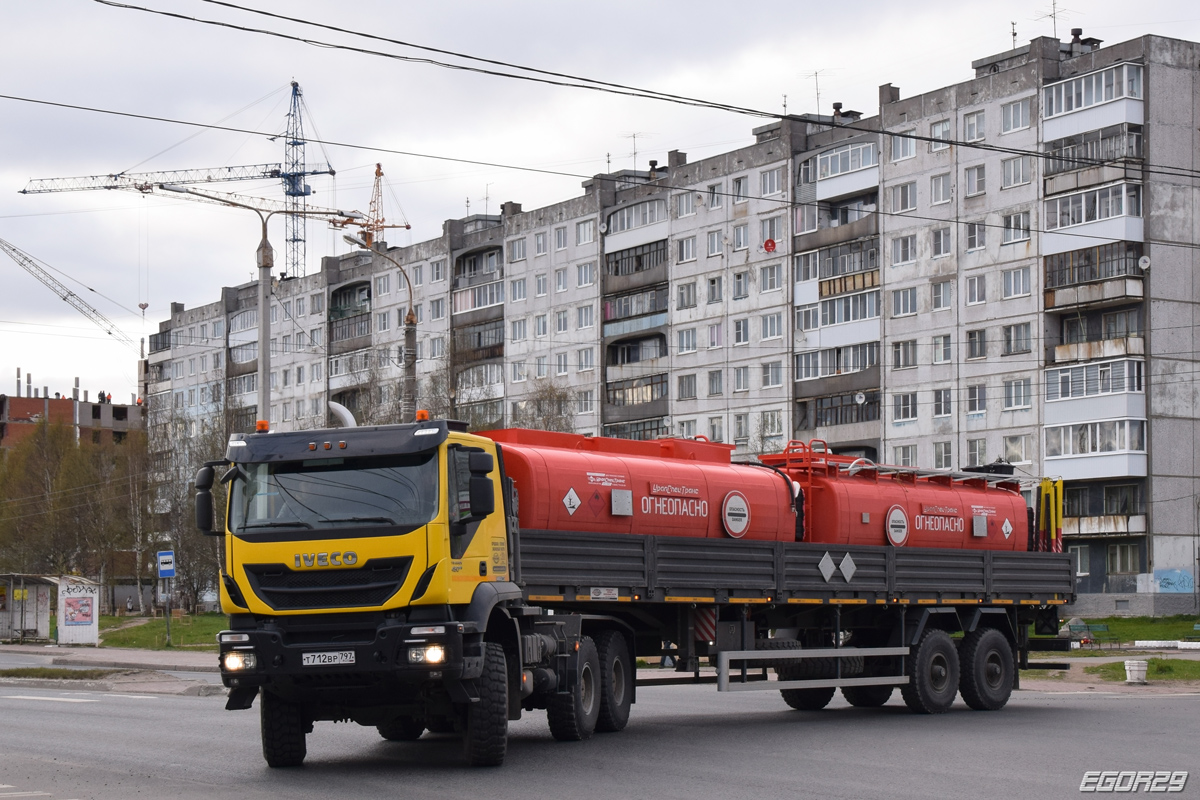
[1144, 262]
[604, 227]
[860, 398]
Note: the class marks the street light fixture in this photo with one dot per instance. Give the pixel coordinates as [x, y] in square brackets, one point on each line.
[266, 262]
[408, 401]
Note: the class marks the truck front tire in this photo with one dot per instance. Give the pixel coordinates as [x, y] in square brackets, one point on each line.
[283, 731]
[573, 716]
[808, 699]
[987, 669]
[486, 738]
[932, 667]
[616, 681]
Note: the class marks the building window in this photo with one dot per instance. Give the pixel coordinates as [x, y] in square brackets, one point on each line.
[715, 195]
[772, 374]
[560, 321]
[976, 180]
[1016, 227]
[770, 278]
[1017, 339]
[806, 266]
[741, 379]
[1122, 199]
[540, 367]
[519, 330]
[518, 289]
[1123, 500]
[941, 349]
[1016, 115]
[771, 229]
[976, 398]
[973, 125]
[942, 402]
[1015, 449]
[516, 250]
[741, 427]
[976, 452]
[383, 320]
[741, 237]
[560, 279]
[772, 423]
[1016, 171]
[771, 181]
[518, 371]
[585, 274]
[687, 428]
[587, 360]
[437, 347]
[741, 285]
[540, 285]
[903, 145]
[714, 289]
[941, 242]
[976, 236]
[739, 190]
[1123, 80]
[560, 363]
[716, 429]
[1080, 560]
[977, 344]
[1095, 378]
[904, 354]
[687, 295]
[585, 317]
[1123, 559]
[585, 232]
[687, 387]
[904, 196]
[904, 249]
[687, 340]
[687, 248]
[585, 401]
[715, 243]
[539, 244]
[714, 335]
[437, 308]
[939, 189]
[942, 455]
[437, 271]
[716, 382]
[539, 325]
[741, 331]
[1018, 394]
[942, 295]
[808, 317]
[772, 325]
[904, 302]
[976, 290]
[1016, 282]
[560, 238]
[850, 308]
[905, 455]
[940, 133]
[1091, 438]
[685, 204]
[847, 158]
[904, 406]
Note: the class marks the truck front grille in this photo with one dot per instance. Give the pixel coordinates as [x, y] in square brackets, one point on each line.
[285, 589]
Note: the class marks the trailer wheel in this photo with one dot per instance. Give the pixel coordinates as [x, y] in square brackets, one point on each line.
[933, 669]
[486, 737]
[867, 696]
[616, 681]
[573, 716]
[807, 699]
[283, 731]
[402, 729]
[987, 670]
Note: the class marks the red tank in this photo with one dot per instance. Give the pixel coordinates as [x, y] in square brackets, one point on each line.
[678, 487]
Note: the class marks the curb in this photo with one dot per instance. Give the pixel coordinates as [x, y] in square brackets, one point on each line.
[88, 662]
[188, 689]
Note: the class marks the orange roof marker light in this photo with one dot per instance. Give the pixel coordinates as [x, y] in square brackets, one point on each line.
[422, 415]
[262, 426]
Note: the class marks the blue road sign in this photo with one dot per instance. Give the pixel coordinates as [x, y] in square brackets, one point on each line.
[166, 563]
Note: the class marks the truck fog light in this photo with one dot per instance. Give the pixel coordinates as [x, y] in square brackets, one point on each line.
[239, 661]
[429, 654]
[233, 637]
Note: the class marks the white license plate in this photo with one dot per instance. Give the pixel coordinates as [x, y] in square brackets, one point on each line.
[327, 659]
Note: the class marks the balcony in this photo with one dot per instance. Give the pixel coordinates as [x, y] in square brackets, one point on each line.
[1109, 525]
[1102, 348]
[835, 234]
[1106, 292]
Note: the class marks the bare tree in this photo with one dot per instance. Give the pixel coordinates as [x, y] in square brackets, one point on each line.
[550, 406]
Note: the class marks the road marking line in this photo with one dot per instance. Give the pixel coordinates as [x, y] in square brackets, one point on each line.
[52, 699]
[23, 794]
[131, 696]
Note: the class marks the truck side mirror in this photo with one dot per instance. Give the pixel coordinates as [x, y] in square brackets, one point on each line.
[482, 494]
[204, 501]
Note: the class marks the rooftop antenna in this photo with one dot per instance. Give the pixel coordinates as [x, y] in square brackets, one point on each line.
[816, 76]
[468, 206]
[785, 105]
[608, 163]
[1014, 34]
[487, 196]
[634, 136]
[1054, 14]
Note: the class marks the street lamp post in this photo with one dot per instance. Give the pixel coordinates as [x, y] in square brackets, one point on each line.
[408, 400]
[265, 258]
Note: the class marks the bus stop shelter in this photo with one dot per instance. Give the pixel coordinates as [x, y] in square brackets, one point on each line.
[25, 607]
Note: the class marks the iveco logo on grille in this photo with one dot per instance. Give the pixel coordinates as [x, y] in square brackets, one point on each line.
[334, 559]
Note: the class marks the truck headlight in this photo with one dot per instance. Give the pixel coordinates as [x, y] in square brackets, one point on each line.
[429, 654]
[239, 661]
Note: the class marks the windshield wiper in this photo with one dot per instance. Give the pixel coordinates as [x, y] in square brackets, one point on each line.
[381, 520]
[276, 524]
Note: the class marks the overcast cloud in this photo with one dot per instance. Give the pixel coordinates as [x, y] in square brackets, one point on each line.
[135, 249]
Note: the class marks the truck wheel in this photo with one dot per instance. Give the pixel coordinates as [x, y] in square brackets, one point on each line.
[795, 669]
[283, 731]
[402, 729]
[573, 716]
[486, 737]
[932, 667]
[987, 670]
[867, 696]
[807, 699]
[616, 682]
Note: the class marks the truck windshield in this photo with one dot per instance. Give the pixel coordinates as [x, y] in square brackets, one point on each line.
[335, 492]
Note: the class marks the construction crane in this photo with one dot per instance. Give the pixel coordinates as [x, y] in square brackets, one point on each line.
[292, 172]
[373, 225]
[30, 265]
[145, 181]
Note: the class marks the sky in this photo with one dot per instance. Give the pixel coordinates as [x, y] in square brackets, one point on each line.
[119, 250]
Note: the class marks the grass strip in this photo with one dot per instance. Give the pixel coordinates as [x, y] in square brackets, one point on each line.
[1159, 669]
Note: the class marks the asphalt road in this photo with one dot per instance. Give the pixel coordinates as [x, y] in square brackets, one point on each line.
[682, 742]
